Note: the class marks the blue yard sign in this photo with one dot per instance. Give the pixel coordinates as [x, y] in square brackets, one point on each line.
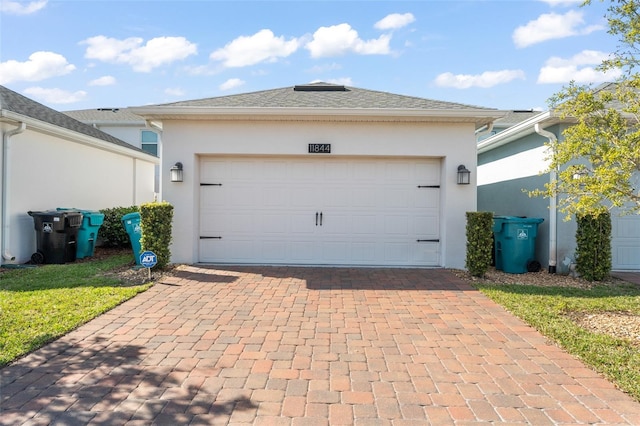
[148, 259]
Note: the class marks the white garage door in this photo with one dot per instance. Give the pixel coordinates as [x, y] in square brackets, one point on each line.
[320, 211]
[625, 242]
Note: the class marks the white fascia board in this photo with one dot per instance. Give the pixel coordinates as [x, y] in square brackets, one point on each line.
[77, 137]
[100, 123]
[172, 112]
[516, 132]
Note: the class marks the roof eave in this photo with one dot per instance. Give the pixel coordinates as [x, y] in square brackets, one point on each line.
[74, 136]
[518, 131]
[479, 116]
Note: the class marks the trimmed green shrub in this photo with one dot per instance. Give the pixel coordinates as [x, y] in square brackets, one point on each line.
[479, 242]
[155, 221]
[111, 232]
[593, 239]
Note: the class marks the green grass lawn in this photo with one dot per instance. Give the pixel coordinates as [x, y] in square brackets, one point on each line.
[38, 305]
[548, 309]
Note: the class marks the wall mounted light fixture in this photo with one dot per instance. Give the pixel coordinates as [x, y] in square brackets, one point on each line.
[464, 175]
[176, 172]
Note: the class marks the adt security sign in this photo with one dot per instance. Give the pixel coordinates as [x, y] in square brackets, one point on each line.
[148, 259]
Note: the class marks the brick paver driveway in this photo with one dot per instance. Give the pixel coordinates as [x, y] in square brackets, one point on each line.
[307, 346]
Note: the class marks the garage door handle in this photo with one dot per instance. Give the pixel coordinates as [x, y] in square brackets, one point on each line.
[316, 218]
[320, 218]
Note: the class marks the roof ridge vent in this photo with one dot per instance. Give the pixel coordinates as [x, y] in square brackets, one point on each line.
[319, 88]
[109, 109]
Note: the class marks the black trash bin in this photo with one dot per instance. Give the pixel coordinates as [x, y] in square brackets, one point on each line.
[56, 236]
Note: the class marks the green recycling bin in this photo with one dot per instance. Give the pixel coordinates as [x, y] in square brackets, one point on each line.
[88, 231]
[56, 236]
[515, 243]
[131, 223]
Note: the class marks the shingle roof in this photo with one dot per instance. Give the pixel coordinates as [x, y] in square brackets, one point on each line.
[515, 117]
[323, 95]
[105, 115]
[16, 103]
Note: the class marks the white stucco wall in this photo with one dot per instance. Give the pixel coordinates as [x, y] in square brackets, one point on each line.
[186, 141]
[129, 134]
[46, 172]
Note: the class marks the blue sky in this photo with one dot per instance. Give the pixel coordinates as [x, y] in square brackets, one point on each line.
[509, 54]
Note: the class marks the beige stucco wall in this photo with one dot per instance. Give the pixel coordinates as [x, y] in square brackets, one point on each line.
[186, 141]
[46, 172]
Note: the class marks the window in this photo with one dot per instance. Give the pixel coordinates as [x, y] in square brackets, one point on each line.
[149, 142]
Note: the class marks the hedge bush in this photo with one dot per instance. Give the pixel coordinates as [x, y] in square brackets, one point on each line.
[155, 221]
[111, 232]
[593, 239]
[479, 242]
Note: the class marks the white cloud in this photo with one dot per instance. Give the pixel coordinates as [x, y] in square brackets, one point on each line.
[325, 68]
[56, 96]
[142, 58]
[40, 66]
[345, 81]
[341, 39]
[395, 21]
[106, 80]
[484, 80]
[174, 91]
[21, 8]
[232, 83]
[263, 46]
[579, 68]
[551, 26]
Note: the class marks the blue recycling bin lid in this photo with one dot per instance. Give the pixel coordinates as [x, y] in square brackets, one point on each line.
[499, 221]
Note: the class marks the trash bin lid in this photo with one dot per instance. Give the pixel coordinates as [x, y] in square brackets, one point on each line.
[130, 216]
[517, 219]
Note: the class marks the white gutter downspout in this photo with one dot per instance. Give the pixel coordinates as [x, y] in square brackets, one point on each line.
[6, 255]
[553, 202]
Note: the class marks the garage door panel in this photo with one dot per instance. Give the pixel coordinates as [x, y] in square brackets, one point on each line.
[335, 252]
[430, 251]
[372, 212]
[274, 251]
[425, 226]
[625, 242]
[275, 197]
[364, 197]
[274, 224]
[397, 253]
[364, 252]
[363, 224]
[396, 225]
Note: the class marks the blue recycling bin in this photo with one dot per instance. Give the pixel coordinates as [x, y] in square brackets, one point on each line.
[131, 223]
[515, 243]
[88, 231]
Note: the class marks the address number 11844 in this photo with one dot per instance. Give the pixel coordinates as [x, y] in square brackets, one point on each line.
[319, 148]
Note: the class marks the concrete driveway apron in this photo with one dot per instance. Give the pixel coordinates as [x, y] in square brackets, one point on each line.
[308, 346]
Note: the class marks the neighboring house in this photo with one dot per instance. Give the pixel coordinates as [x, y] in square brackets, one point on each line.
[124, 125]
[50, 160]
[512, 162]
[509, 120]
[319, 174]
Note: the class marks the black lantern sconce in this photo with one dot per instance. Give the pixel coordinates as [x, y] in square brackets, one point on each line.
[464, 175]
[176, 172]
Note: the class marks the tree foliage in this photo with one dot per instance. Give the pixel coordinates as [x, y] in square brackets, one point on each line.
[597, 160]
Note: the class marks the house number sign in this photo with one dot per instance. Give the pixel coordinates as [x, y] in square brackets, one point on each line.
[319, 148]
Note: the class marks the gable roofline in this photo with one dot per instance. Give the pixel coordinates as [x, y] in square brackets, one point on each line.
[527, 127]
[320, 102]
[16, 108]
[544, 119]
